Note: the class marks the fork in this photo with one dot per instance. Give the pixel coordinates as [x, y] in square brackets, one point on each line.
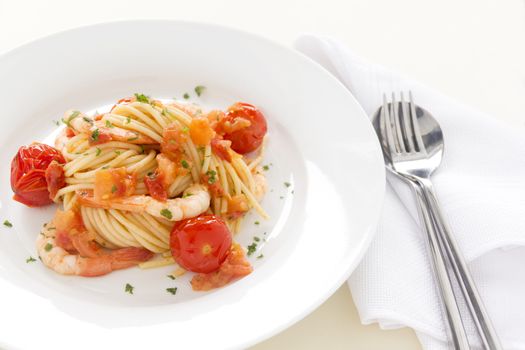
[398, 155]
[414, 159]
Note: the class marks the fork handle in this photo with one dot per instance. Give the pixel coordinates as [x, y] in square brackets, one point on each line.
[453, 316]
[477, 310]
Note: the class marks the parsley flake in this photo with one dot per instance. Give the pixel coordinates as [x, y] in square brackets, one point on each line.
[186, 130]
[287, 184]
[185, 164]
[8, 223]
[260, 256]
[48, 247]
[166, 213]
[266, 167]
[199, 89]
[128, 120]
[252, 248]
[211, 176]
[141, 149]
[142, 98]
[129, 288]
[172, 290]
[71, 117]
[133, 138]
[87, 120]
[30, 260]
[98, 152]
[257, 223]
[94, 135]
[108, 124]
[117, 152]
[186, 96]
[187, 195]
[171, 277]
[256, 239]
[113, 188]
[56, 122]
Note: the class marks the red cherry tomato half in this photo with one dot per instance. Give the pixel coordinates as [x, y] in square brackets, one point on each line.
[246, 139]
[200, 244]
[28, 173]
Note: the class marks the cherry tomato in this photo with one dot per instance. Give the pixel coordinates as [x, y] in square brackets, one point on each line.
[28, 173]
[246, 138]
[200, 244]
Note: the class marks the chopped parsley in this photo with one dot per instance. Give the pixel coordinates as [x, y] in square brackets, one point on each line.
[70, 118]
[113, 188]
[171, 277]
[252, 248]
[117, 152]
[30, 260]
[257, 223]
[133, 138]
[128, 120]
[141, 149]
[187, 195]
[211, 176]
[266, 167]
[56, 122]
[142, 98]
[87, 120]
[172, 290]
[186, 130]
[8, 223]
[98, 152]
[129, 288]
[185, 164]
[95, 134]
[186, 96]
[260, 256]
[199, 89]
[48, 247]
[108, 124]
[166, 213]
[256, 239]
[287, 184]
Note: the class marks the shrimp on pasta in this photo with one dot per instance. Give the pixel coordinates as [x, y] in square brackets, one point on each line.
[147, 183]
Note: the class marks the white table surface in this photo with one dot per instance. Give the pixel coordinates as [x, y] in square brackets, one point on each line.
[472, 50]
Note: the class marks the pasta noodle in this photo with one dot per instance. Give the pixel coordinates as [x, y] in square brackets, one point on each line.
[114, 227]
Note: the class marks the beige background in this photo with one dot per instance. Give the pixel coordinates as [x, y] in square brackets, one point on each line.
[472, 50]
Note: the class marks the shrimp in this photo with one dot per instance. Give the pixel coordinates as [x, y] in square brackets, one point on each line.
[66, 247]
[101, 131]
[195, 200]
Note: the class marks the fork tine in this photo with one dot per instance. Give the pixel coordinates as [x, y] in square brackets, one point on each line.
[415, 124]
[397, 125]
[385, 116]
[407, 124]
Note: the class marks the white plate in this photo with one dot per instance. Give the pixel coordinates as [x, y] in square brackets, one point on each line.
[320, 141]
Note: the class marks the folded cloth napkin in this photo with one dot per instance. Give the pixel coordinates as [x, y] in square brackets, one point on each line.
[481, 187]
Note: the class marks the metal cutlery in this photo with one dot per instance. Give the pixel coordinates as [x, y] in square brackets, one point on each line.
[412, 144]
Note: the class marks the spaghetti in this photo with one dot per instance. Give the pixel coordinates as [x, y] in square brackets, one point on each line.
[129, 174]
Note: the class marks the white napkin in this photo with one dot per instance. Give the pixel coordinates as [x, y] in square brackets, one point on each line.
[481, 187]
